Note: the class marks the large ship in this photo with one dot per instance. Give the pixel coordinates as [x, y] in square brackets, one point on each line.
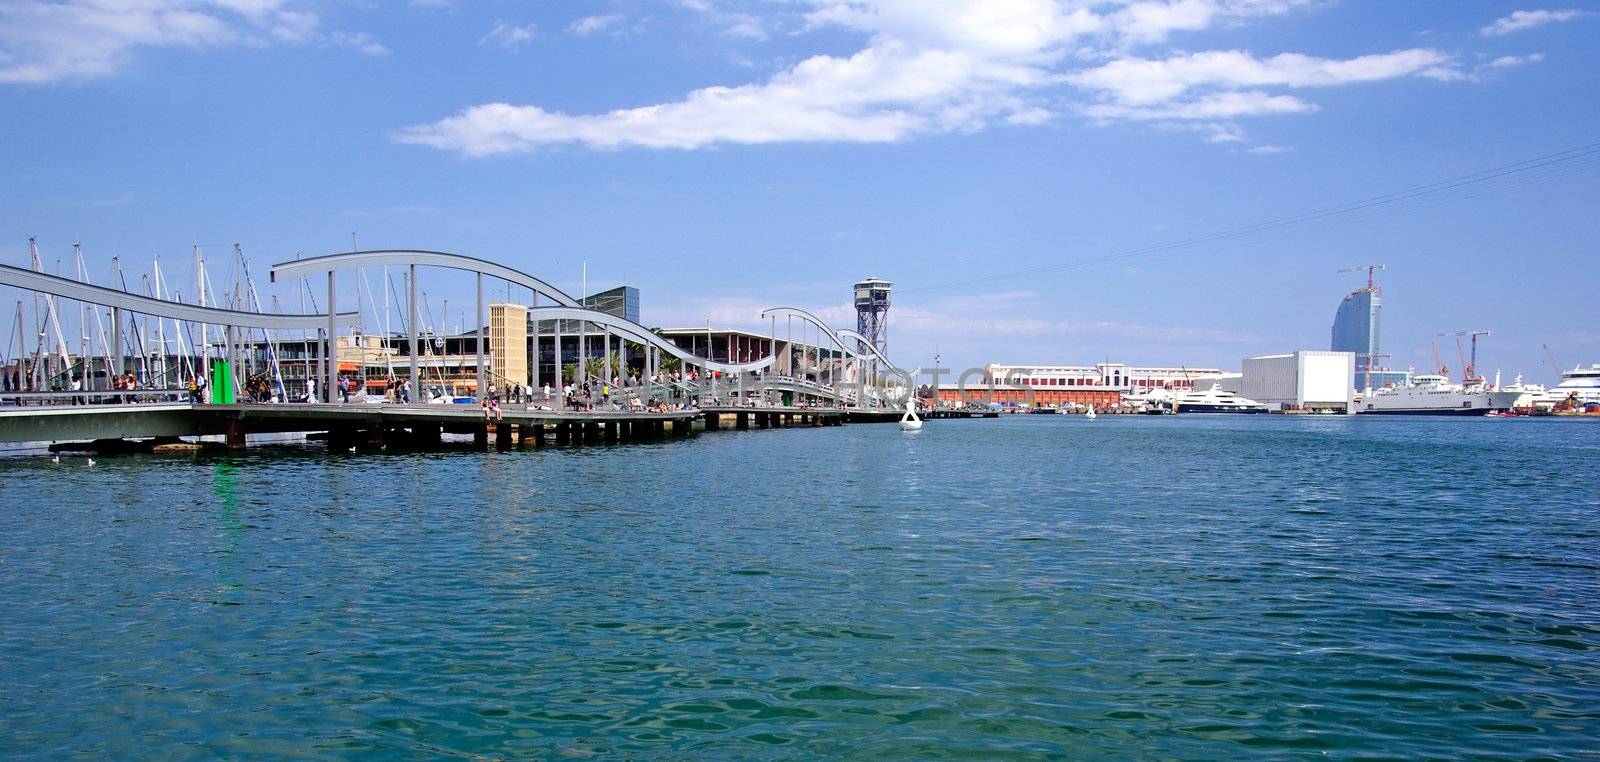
[1436, 395]
[1579, 388]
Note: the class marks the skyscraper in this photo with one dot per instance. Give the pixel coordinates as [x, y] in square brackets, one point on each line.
[1355, 329]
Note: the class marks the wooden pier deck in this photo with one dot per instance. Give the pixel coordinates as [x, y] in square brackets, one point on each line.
[112, 426]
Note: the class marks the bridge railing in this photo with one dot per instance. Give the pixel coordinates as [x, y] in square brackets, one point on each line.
[92, 397]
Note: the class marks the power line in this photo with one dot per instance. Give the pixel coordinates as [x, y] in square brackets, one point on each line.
[1539, 169]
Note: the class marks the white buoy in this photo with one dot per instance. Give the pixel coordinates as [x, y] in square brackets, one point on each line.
[1090, 413]
[89, 462]
[910, 421]
[55, 458]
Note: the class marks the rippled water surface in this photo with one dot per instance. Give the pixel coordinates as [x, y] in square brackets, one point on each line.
[1036, 586]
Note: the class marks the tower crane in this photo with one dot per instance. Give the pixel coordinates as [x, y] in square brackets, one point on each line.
[1370, 270]
[1468, 373]
[1444, 370]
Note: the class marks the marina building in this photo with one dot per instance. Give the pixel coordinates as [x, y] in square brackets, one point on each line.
[1101, 384]
[1307, 380]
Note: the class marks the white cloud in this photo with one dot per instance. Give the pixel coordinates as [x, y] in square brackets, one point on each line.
[43, 41]
[1154, 21]
[1138, 82]
[1504, 62]
[956, 66]
[508, 36]
[360, 41]
[745, 25]
[1267, 150]
[591, 24]
[1224, 105]
[1520, 20]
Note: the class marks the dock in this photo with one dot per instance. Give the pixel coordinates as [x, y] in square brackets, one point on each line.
[118, 427]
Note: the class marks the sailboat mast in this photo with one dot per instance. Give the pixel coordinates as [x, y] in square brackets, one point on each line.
[53, 319]
[204, 348]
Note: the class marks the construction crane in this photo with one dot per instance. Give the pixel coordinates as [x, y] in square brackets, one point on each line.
[1444, 370]
[1370, 270]
[1551, 356]
[1471, 368]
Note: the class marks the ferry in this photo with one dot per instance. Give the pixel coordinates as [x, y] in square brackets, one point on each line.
[1436, 395]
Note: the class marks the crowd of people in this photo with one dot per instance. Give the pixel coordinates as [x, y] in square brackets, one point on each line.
[620, 394]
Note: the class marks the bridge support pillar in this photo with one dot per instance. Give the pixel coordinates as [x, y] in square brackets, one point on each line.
[502, 435]
[713, 421]
[480, 436]
[341, 439]
[427, 435]
[741, 421]
[563, 432]
[611, 427]
[235, 435]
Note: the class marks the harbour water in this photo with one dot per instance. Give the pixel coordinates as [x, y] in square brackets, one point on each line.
[1033, 586]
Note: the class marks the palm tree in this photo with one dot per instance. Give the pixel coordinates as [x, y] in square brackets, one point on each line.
[596, 366]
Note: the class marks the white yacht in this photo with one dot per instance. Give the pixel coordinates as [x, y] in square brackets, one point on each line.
[1528, 395]
[1581, 385]
[1436, 395]
[1214, 400]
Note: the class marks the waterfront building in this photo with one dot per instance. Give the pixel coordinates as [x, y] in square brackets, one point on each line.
[1306, 380]
[1101, 384]
[801, 357]
[508, 343]
[1356, 329]
[622, 301]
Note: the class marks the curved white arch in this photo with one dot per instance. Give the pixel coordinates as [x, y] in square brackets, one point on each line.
[378, 257]
[845, 333]
[145, 305]
[814, 320]
[641, 335]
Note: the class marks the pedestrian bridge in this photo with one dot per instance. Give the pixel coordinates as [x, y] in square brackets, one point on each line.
[220, 329]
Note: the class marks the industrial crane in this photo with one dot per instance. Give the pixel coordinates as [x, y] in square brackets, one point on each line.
[1467, 374]
[1444, 370]
[1551, 356]
[1370, 270]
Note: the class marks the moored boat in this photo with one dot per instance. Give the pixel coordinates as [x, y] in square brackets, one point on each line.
[1437, 395]
[1214, 400]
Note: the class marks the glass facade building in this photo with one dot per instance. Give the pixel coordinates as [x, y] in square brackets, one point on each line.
[1355, 329]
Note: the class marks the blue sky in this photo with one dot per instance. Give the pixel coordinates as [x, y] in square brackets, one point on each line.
[727, 156]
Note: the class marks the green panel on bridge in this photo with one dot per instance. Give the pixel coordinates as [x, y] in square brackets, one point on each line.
[221, 382]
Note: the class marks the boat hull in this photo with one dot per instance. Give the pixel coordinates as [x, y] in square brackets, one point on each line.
[1219, 410]
[1463, 411]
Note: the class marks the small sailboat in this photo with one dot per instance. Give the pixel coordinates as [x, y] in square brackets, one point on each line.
[910, 421]
[1089, 414]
